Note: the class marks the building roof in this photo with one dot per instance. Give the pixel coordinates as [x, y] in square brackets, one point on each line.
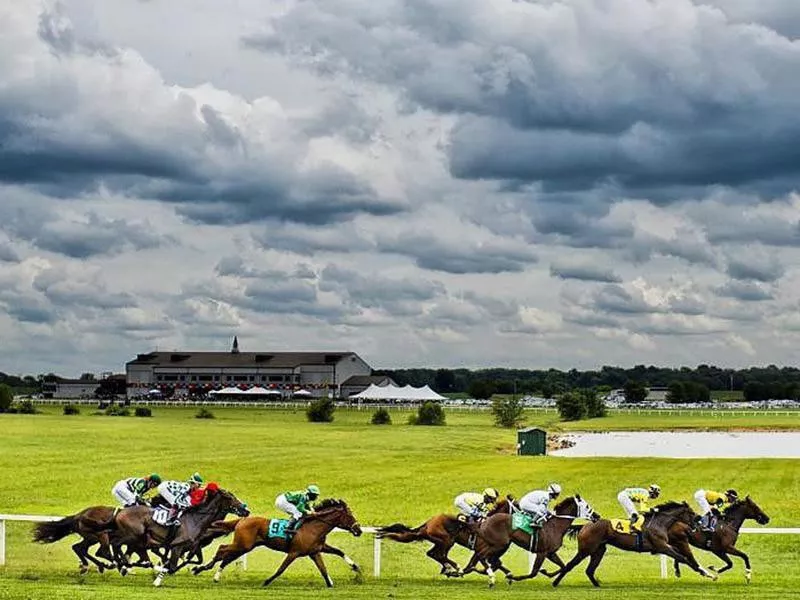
[366, 380]
[280, 360]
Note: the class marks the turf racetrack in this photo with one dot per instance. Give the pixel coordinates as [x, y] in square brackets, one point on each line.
[54, 464]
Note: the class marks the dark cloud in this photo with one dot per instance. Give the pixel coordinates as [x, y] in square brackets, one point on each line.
[617, 299]
[64, 291]
[8, 253]
[746, 266]
[309, 241]
[584, 272]
[745, 291]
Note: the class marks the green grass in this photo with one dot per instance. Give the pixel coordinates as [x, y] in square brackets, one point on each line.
[55, 464]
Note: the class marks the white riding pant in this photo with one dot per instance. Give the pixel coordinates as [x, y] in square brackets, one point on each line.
[123, 495]
[627, 504]
[466, 509]
[537, 510]
[700, 498]
[281, 503]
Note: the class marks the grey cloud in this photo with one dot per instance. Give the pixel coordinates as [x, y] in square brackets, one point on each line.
[616, 299]
[8, 253]
[308, 241]
[584, 272]
[745, 291]
[748, 266]
[64, 291]
[32, 314]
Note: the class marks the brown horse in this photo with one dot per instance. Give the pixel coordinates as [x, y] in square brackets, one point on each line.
[722, 541]
[443, 531]
[93, 525]
[497, 534]
[309, 540]
[135, 527]
[666, 531]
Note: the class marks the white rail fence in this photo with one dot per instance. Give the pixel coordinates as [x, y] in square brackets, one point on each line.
[376, 541]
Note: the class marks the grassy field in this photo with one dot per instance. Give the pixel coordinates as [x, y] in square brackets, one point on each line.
[52, 464]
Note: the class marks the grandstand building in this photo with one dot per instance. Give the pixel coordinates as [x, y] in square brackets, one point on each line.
[321, 373]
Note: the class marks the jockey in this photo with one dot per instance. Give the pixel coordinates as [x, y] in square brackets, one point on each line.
[130, 492]
[297, 504]
[712, 504]
[535, 503]
[177, 494]
[473, 506]
[634, 502]
[198, 495]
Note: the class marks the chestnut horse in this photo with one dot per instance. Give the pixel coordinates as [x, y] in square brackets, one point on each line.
[443, 531]
[723, 540]
[309, 540]
[666, 531]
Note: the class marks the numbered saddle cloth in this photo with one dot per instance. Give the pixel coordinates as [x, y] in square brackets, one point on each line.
[161, 515]
[277, 528]
[523, 521]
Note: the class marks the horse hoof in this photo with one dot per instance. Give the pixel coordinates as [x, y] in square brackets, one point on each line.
[712, 568]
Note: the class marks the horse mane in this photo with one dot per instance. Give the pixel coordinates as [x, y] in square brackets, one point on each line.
[330, 503]
[563, 503]
[732, 506]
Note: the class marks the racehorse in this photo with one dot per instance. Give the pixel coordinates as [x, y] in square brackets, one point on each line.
[135, 527]
[723, 539]
[665, 531]
[443, 531]
[308, 540]
[92, 524]
[497, 534]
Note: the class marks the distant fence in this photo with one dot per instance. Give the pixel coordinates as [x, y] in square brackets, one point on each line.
[376, 541]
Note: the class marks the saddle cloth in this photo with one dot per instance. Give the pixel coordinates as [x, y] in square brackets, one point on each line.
[624, 525]
[277, 528]
[523, 521]
[161, 515]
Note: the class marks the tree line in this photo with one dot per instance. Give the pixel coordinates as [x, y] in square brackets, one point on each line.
[685, 384]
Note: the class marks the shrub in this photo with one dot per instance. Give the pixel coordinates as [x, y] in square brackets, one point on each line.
[117, 411]
[507, 412]
[26, 407]
[143, 411]
[635, 391]
[6, 397]
[381, 417]
[321, 411]
[71, 409]
[204, 413]
[430, 413]
[571, 406]
[595, 406]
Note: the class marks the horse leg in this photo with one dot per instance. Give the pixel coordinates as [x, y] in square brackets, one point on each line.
[576, 560]
[327, 549]
[220, 555]
[290, 558]
[594, 562]
[684, 555]
[748, 572]
[537, 564]
[439, 556]
[554, 558]
[79, 549]
[473, 561]
[677, 567]
[317, 558]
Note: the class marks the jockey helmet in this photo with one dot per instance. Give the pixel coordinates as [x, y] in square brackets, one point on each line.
[491, 493]
[195, 478]
[155, 478]
[655, 489]
[312, 490]
[212, 487]
[732, 495]
[554, 489]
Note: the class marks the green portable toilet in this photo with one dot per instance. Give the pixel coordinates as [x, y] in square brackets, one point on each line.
[532, 441]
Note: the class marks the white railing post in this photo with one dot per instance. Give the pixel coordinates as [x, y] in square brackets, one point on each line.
[663, 567]
[2, 543]
[531, 560]
[243, 561]
[376, 557]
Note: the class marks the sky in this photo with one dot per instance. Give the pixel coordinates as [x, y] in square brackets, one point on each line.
[470, 183]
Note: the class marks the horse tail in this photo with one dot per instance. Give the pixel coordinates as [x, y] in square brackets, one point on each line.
[401, 533]
[573, 530]
[52, 531]
[226, 526]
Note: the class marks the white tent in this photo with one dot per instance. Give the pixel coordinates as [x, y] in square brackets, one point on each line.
[302, 394]
[403, 394]
[227, 390]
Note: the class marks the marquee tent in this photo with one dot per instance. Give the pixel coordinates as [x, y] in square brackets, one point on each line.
[405, 393]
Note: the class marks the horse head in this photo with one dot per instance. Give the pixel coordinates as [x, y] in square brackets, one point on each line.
[575, 506]
[230, 503]
[338, 514]
[751, 510]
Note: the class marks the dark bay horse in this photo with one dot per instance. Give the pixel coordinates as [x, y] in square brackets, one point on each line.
[722, 541]
[666, 531]
[92, 525]
[136, 528]
[497, 534]
[443, 531]
[309, 540]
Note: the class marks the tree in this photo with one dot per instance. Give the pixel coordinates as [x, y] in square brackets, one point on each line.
[635, 391]
[507, 411]
[481, 389]
[444, 381]
[595, 406]
[676, 393]
[430, 413]
[571, 406]
[321, 411]
[6, 397]
[87, 377]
